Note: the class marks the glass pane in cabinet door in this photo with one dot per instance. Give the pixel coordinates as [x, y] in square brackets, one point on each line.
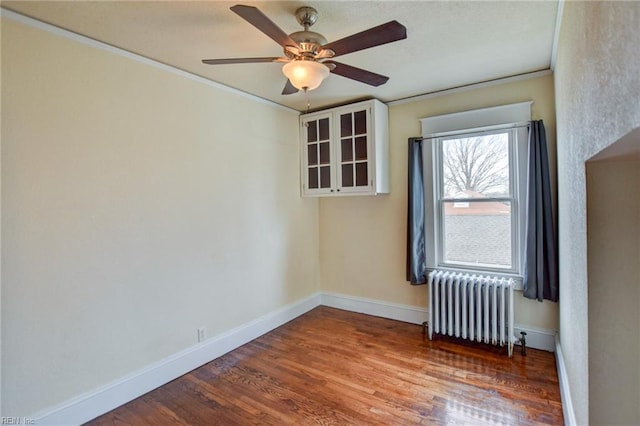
[313, 177]
[324, 129]
[312, 131]
[324, 153]
[362, 177]
[360, 118]
[361, 148]
[346, 150]
[312, 154]
[347, 175]
[325, 177]
[345, 125]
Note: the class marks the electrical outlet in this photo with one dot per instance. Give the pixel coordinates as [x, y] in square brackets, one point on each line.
[202, 333]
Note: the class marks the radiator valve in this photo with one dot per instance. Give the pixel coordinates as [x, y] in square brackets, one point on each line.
[523, 343]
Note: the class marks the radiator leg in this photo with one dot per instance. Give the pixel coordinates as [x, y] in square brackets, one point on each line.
[425, 324]
[523, 343]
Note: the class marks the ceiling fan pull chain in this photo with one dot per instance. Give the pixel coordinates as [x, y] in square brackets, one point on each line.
[306, 95]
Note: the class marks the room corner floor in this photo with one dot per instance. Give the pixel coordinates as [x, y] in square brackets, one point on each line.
[334, 367]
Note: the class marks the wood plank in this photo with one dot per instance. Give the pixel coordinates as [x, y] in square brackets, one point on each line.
[334, 367]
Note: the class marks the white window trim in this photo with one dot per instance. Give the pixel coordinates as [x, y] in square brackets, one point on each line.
[475, 121]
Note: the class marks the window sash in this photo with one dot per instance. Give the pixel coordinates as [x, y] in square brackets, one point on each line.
[516, 115]
[512, 198]
[441, 140]
[450, 248]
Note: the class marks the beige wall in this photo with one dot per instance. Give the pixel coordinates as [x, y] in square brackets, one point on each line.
[362, 242]
[613, 245]
[137, 206]
[1, 412]
[597, 87]
[128, 192]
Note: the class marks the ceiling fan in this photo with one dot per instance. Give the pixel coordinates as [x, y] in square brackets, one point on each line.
[308, 55]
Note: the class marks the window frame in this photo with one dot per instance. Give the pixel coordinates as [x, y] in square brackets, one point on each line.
[512, 119]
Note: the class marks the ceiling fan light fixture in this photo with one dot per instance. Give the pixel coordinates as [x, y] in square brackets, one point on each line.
[305, 74]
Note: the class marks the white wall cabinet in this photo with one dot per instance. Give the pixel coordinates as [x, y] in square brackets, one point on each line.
[345, 150]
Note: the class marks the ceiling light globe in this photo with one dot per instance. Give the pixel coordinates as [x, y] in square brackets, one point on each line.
[304, 74]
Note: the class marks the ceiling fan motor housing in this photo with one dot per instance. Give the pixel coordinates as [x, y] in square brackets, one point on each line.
[310, 42]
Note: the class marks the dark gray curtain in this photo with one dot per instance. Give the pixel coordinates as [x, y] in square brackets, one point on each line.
[541, 248]
[416, 261]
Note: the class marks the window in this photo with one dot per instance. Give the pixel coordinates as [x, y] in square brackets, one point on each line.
[475, 182]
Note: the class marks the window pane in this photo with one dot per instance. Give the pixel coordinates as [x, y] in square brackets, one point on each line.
[313, 177]
[324, 153]
[361, 148]
[362, 177]
[312, 131]
[324, 129]
[476, 167]
[325, 177]
[345, 125]
[347, 150]
[312, 154]
[347, 175]
[360, 118]
[477, 233]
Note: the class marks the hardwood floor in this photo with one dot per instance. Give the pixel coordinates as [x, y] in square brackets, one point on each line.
[333, 367]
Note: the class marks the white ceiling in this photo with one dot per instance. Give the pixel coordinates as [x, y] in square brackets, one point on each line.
[449, 43]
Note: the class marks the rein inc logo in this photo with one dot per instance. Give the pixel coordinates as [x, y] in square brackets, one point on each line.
[17, 421]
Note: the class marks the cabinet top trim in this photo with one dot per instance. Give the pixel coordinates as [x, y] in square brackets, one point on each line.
[354, 104]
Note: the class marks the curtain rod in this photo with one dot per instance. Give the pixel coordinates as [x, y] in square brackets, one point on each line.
[519, 125]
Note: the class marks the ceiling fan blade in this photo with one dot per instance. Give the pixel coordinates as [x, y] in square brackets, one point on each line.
[243, 60]
[259, 20]
[382, 34]
[357, 74]
[289, 89]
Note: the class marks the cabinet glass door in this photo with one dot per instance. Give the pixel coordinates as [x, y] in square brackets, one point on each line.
[353, 149]
[318, 142]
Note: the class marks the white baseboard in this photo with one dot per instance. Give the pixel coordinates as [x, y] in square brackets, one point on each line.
[565, 393]
[406, 313]
[88, 406]
[536, 338]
